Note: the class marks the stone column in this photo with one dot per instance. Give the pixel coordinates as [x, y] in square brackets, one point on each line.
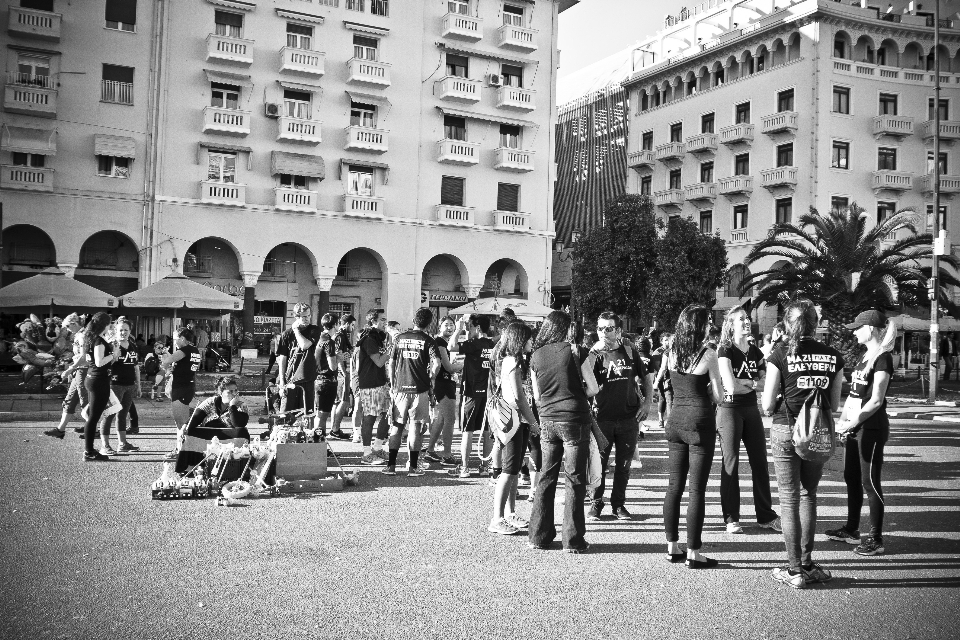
[69, 268]
[324, 283]
[249, 296]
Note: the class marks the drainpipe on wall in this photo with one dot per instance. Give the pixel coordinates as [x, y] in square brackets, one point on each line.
[148, 266]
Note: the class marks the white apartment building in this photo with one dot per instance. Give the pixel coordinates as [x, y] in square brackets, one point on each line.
[744, 113]
[352, 154]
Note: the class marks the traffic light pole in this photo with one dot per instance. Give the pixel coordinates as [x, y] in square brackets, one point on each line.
[934, 284]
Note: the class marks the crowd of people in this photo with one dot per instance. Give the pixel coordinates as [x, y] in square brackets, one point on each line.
[537, 400]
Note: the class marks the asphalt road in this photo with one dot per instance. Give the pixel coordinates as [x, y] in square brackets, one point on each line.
[85, 553]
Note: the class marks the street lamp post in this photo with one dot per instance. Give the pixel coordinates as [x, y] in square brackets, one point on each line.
[934, 287]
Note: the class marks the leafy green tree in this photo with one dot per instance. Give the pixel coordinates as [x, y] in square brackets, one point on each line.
[841, 265]
[690, 266]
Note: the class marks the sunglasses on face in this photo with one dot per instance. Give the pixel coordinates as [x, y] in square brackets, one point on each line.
[606, 329]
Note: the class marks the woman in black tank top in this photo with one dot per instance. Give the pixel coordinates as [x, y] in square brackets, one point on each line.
[691, 432]
[97, 382]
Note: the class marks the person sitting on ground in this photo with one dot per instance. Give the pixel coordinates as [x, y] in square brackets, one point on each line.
[223, 415]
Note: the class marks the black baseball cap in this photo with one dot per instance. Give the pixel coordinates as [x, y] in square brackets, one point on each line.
[870, 318]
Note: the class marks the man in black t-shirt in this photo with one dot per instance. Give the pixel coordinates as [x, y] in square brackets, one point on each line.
[373, 392]
[343, 344]
[618, 369]
[477, 350]
[416, 361]
[297, 361]
[444, 398]
[326, 386]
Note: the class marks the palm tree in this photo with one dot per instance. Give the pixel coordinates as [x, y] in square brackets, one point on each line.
[846, 268]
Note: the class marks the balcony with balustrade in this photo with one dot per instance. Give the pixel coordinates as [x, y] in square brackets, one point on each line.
[703, 191]
[669, 198]
[458, 152]
[511, 220]
[226, 49]
[738, 235]
[894, 126]
[891, 181]
[223, 193]
[229, 121]
[949, 185]
[26, 178]
[366, 139]
[670, 151]
[274, 270]
[31, 95]
[702, 143]
[454, 215]
[116, 92]
[783, 122]
[737, 134]
[949, 130]
[513, 160]
[517, 37]
[516, 98]
[33, 23]
[457, 89]
[456, 25]
[302, 61]
[781, 177]
[735, 185]
[367, 72]
[363, 206]
[290, 129]
[290, 199]
[640, 159]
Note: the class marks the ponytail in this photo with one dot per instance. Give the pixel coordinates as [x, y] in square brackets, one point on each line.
[885, 344]
[801, 326]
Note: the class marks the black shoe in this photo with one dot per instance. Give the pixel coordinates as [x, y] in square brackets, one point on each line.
[539, 547]
[132, 431]
[78, 429]
[339, 435]
[676, 558]
[95, 456]
[593, 515]
[621, 513]
[581, 549]
[706, 563]
[430, 456]
[54, 433]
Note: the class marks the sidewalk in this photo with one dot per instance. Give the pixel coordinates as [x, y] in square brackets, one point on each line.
[38, 407]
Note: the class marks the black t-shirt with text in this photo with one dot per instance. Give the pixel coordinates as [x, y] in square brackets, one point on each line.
[861, 386]
[476, 365]
[746, 366]
[371, 343]
[814, 365]
[412, 354]
[124, 368]
[186, 367]
[444, 387]
[616, 372]
[301, 363]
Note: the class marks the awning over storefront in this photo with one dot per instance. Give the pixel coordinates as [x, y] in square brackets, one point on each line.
[297, 164]
[116, 146]
[28, 140]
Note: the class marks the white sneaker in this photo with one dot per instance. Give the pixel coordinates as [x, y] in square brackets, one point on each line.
[734, 527]
[356, 437]
[503, 527]
[372, 459]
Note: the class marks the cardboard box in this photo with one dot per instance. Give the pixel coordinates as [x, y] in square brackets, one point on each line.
[306, 461]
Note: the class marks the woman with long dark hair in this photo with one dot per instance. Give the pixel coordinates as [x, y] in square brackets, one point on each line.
[691, 431]
[511, 372]
[125, 382]
[661, 381]
[97, 383]
[797, 366]
[865, 428]
[562, 386]
[182, 386]
[738, 419]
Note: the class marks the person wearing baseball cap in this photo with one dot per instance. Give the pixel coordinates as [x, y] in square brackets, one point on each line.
[864, 428]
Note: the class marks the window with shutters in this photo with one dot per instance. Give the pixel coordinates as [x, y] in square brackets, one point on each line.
[354, 5]
[785, 100]
[225, 96]
[360, 181]
[783, 210]
[112, 167]
[363, 115]
[676, 132]
[646, 184]
[365, 48]
[885, 210]
[451, 191]
[944, 109]
[888, 104]
[513, 15]
[841, 100]
[675, 180]
[742, 113]
[294, 182]
[228, 24]
[508, 197]
[28, 160]
[887, 158]
[741, 165]
[121, 15]
[706, 222]
[116, 84]
[510, 136]
[454, 128]
[785, 155]
[646, 141]
[943, 162]
[512, 75]
[706, 172]
[740, 215]
[33, 70]
[296, 104]
[706, 122]
[380, 7]
[222, 167]
[299, 36]
[457, 65]
[458, 6]
[840, 155]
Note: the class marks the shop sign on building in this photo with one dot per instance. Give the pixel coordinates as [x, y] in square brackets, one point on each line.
[263, 327]
[442, 299]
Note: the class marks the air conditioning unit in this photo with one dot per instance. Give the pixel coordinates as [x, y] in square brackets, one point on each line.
[271, 110]
[495, 79]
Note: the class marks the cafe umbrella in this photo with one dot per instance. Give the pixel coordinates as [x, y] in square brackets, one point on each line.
[52, 288]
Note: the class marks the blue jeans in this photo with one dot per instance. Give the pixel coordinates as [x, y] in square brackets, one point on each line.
[622, 433]
[569, 442]
[797, 480]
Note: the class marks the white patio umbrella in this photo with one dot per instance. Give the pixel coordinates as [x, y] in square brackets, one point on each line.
[52, 288]
[176, 291]
[493, 306]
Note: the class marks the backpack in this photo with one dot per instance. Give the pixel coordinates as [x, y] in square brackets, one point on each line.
[813, 429]
[151, 365]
